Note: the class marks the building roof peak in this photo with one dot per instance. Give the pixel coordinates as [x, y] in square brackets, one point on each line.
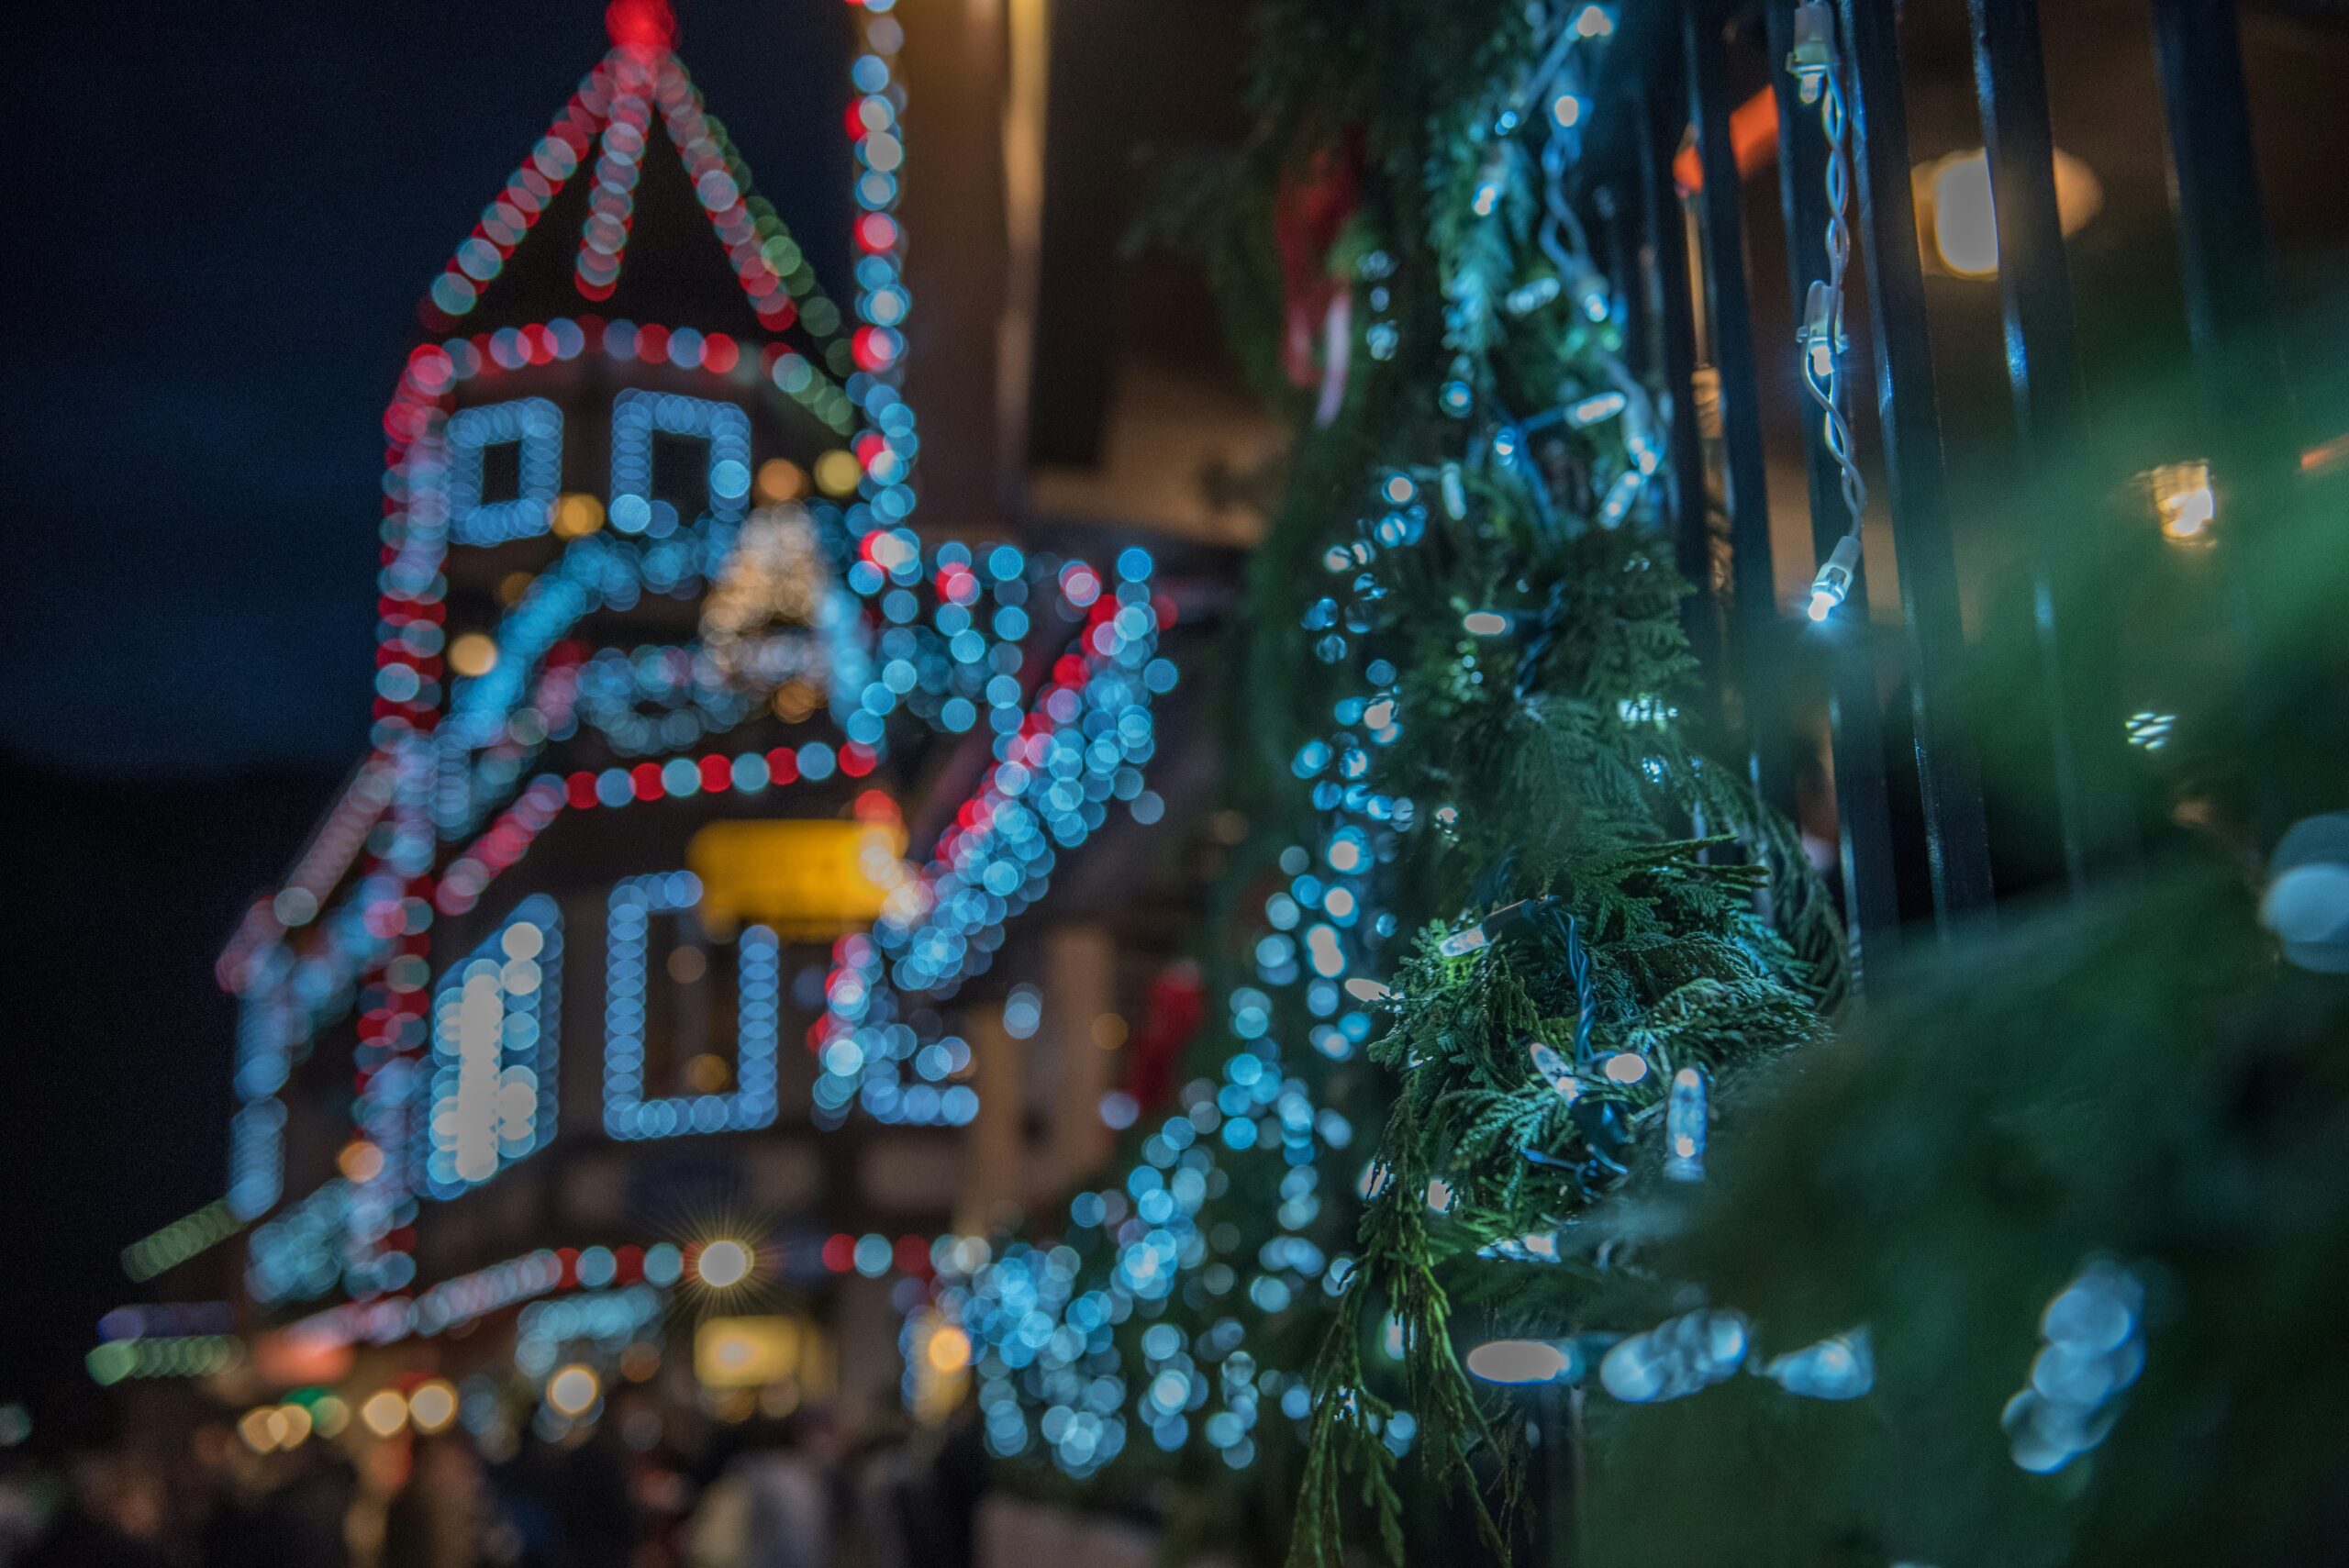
[622, 211]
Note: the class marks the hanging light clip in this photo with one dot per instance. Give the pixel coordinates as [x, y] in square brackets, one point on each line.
[1813, 55]
[1822, 334]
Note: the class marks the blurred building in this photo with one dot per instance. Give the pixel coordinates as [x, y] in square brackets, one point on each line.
[755, 878]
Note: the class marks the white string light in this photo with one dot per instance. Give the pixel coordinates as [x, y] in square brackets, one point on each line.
[1580, 279]
[1821, 335]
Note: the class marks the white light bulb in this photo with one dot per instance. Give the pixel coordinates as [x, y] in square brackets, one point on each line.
[1521, 1360]
[1460, 944]
[1833, 583]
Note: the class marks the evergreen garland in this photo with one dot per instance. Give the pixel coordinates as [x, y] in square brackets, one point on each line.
[1490, 716]
[2135, 1092]
[2124, 1102]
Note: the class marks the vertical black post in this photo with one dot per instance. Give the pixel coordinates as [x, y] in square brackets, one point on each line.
[1556, 1420]
[2051, 416]
[1863, 817]
[1684, 461]
[1729, 308]
[2238, 366]
[1949, 779]
[2223, 243]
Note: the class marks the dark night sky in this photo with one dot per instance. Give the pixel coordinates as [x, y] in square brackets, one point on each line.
[222, 219]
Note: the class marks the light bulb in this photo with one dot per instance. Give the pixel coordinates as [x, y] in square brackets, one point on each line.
[1684, 1127]
[1590, 410]
[722, 1263]
[1843, 1367]
[1527, 298]
[1590, 294]
[1833, 583]
[1524, 1360]
[1460, 944]
[1552, 1068]
[1619, 496]
[1822, 332]
[1489, 181]
[573, 1391]
[1497, 923]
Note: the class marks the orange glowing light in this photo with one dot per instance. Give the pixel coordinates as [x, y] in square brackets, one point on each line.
[949, 1349]
[1752, 141]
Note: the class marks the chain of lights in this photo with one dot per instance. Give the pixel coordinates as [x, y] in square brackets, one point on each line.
[625, 93]
[546, 1333]
[874, 126]
[394, 1034]
[192, 1355]
[722, 427]
[1052, 1377]
[611, 113]
[330, 854]
[774, 272]
[456, 1302]
[629, 1113]
[1081, 744]
[517, 208]
[534, 426]
[296, 1255]
[256, 1156]
[646, 701]
[280, 1000]
[595, 1272]
[456, 361]
[1050, 1374]
[1822, 339]
[181, 1240]
[469, 874]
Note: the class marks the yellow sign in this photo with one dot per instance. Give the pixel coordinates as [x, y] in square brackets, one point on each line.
[745, 1352]
[810, 881]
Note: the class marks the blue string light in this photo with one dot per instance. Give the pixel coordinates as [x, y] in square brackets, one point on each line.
[532, 425]
[628, 1112]
[637, 417]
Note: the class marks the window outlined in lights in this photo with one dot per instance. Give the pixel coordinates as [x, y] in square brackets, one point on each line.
[637, 418]
[496, 1022]
[628, 1112]
[534, 426]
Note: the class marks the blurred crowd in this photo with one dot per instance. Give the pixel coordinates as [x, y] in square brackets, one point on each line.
[798, 1491]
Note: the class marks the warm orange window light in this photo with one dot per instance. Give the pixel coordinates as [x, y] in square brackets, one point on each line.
[745, 1352]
